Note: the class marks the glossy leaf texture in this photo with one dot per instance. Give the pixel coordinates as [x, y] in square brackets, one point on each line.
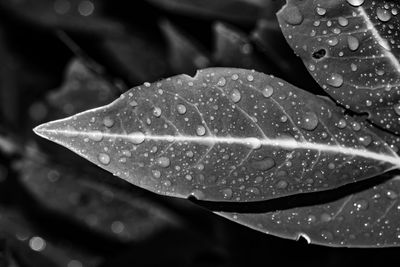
[367, 218]
[225, 135]
[351, 48]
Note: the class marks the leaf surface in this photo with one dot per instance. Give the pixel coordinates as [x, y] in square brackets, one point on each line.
[368, 218]
[225, 135]
[352, 50]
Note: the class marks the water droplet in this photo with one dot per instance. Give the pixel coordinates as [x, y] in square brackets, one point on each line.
[201, 130]
[326, 234]
[188, 177]
[353, 43]
[95, 136]
[235, 95]
[343, 21]
[133, 103]
[341, 124]
[86, 8]
[157, 112]
[361, 204]
[253, 142]
[353, 67]
[156, 173]
[383, 14]
[235, 77]
[250, 78]
[309, 121]
[37, 243]
[336, 80]
[333, 41]
[355, 2]
[163, 162]
[227, 193]
[282, 184]
[268, 91]
[181, 109]
[104, 158]
[221, 81]
[292, 15]
[108, 122]
[397, 109]
[325, 217]
[321, 11]
[137, 137]
[391, 194]
[264, 164]
[190, 154]
[365, 140]
[356, 126]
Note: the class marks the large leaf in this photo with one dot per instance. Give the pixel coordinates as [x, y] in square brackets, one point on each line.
[367, 218]
[351, 48]
[225, 135]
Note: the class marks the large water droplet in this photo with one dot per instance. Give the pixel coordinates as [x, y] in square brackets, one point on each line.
[353, 43]
[268, 91]
[336, 80]
[263, 164]
[181, 109]
[137, 137]
[292, 15]
[108, 122]
[163, 162]
[201, 130]
[355, 2]
[383, 14]
[104, 158]
[235, 95]
[309, 121]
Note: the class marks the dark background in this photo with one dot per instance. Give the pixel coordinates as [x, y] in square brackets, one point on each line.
[61, 57]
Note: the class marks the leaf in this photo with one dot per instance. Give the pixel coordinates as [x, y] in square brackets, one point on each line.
[237, 10]
[234, 49]
[98, 207]
[225, 135]
[367, 218]
[352, 50]
[185, 56]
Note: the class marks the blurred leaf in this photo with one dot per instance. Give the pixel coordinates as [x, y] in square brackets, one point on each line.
[72, 15]
[225, 135]
[81, 197]
[185, 56]
[234, 10]
[368, 218]
[81, 89]
[234, 49]
[352, 50]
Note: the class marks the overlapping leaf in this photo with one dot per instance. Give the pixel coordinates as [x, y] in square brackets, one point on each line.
[352, 49]
[225, 135]
[368, 218]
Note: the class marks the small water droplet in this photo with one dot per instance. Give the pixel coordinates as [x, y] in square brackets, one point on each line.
[320, 11]
[95, 136]
[336, 80]
[281, 184]
[397, 109]
[343, 21]
[235, 77]
[326, 234]
[157, 111]
[250, 78]
[221, 81]
[227, 193]
[181, 109]
[361, 204]
[365, 140]
[108, 122]
[137, 137]
[326, 217]
[353, 43]
[263, 164]
[156, 173]
[104, 158]
[133, 103]
[235, 95]
[341, 124]
[309, 121]
[391, 194]
[201, 130]
[268, 91]
[37, 243]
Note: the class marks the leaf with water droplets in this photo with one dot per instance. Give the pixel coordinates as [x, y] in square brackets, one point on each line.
[352, 49]
[225, 135]
[364, 216]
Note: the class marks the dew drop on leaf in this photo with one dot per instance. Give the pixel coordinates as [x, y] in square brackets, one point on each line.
[96, 136]
[157, 112]
[353, 43]
[355, 2]
[201, 130]
[309, 121]
[383, 14]
[235, 95]
[221, 81]
[293, 15]
[336, 80]
[181, 109]
[227, 192]
[397, 109]
[137, 137]
[268, 91]
[163, 162]
[108, 122]
[282, 184]
[104, 158]
[264, 164]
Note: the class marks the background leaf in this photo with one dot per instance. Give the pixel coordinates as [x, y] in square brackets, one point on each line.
[351, 49]
[261, 139]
